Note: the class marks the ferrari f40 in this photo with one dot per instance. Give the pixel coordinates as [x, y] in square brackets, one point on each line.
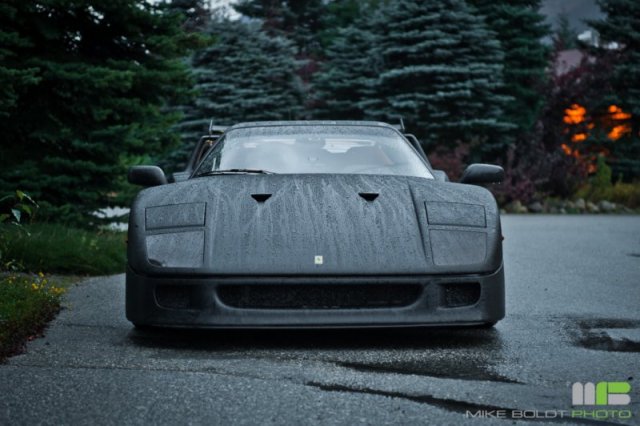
[313, 224]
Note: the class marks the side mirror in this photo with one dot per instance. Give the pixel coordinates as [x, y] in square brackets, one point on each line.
[146, 176]
[482, 173]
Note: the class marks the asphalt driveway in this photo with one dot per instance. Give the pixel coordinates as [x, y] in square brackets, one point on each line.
[573, 315]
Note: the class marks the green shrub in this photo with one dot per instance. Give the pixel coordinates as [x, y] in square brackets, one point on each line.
[601, 181]
[600, 188]
[627, 194]
[60, 249]
[15, 209]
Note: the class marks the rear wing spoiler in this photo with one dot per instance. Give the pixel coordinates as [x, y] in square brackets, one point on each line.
[400, 126]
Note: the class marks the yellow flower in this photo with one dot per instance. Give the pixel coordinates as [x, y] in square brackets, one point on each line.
[40, 274]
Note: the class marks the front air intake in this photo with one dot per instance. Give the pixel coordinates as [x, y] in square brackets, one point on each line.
[174, 296]
[456, 295]
[315, 296]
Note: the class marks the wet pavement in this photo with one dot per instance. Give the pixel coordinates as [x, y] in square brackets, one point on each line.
[573, 297]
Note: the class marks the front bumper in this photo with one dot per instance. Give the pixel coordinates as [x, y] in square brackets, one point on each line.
[200, 302]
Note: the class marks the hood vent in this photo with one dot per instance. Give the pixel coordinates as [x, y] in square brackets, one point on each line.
[369, 196]
[261, 198]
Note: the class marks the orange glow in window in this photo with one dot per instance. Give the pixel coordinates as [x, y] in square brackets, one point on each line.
[618, 114]
[578, 137]
[618, 131]
[574, 114]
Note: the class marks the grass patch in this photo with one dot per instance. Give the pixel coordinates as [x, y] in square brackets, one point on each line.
[27, 303]
[59, 249]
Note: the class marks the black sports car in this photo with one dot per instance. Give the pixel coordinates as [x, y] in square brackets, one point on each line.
[313, 224]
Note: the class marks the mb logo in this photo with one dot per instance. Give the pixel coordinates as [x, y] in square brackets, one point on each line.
[604, 393]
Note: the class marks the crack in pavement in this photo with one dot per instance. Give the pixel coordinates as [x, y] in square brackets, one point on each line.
[447, 404]
[591, 333]
[409, 369]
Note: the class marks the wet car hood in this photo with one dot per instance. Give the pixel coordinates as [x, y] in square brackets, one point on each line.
[314, 224]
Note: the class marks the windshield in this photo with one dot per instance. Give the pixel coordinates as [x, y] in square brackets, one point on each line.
[314, 149]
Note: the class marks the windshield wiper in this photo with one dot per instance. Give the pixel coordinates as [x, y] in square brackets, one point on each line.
[234, 171]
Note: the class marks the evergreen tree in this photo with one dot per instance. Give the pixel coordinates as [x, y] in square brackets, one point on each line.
[345, 77]
[340, 14]
[520, 27]
[565, 37]
[196, 15]
[442, 72]
[299, 20]
[622, 27]
[312, 26]
[100, 72]
[246, 75]
[15, 77]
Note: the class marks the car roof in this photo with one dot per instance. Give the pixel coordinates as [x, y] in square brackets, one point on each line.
[311, 123]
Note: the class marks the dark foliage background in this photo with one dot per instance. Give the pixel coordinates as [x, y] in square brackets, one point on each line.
[89, 88]
[86, 87]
